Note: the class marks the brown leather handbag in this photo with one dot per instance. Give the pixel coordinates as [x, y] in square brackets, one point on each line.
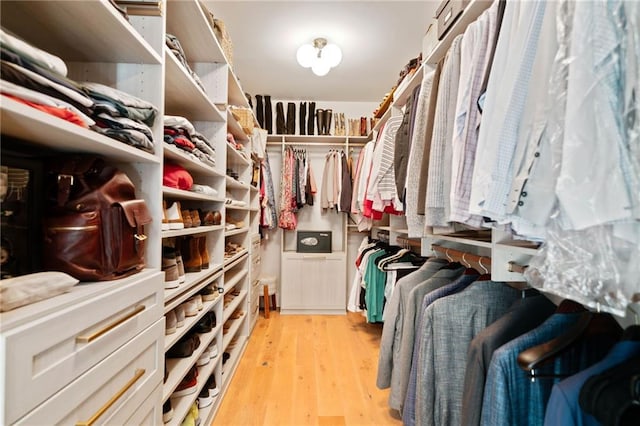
[93, 223]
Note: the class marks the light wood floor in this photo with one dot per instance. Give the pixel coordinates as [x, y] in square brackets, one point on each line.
[308, 370]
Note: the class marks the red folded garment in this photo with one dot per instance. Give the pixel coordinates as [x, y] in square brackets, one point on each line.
[176, 176]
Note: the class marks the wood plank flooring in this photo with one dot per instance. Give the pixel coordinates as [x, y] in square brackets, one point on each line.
[308, 370]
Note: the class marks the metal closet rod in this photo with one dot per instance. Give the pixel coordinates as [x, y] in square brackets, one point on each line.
[409, 242]
[318, 144]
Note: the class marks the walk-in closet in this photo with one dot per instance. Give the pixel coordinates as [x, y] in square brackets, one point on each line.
[325, 213]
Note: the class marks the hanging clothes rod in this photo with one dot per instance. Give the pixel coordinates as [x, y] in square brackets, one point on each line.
[467, 259]
[515, 267]
[410, 243]
[318, 144]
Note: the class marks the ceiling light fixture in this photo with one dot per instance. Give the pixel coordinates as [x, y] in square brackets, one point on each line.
[319, 56]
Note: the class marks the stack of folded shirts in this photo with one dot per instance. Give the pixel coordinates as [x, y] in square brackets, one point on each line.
[180, 132]
[174, 46]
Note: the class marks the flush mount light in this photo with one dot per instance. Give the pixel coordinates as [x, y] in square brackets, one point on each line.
[319, 56]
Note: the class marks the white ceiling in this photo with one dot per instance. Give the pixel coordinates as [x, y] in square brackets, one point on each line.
[377, 39]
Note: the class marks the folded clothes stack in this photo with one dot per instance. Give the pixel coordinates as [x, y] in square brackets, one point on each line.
[180, 132]
[174, 46]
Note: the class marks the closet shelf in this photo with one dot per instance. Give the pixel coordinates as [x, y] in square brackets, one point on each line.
[179, 156]
[235, 279]
[236, 231]
[470, 13]
[188, 195]
[235, 157]
[313, 139]
[182, 405]
[228, 310]
[400, 98]
[235, 263]
[184, 97]
[522, 247]
[383, 119]
[22, 121]
[98, 33]
[189, 322]
[236, 94]
[242, 208]
[234, 128]
[228, 262]
[461, 240]
[234, 356]
[187, 21]
[232, 183]
[190, 231]
[195, 281]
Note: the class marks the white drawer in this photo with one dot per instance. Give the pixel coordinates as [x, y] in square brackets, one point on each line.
[150, 412]
[43, 356]
[112, 391]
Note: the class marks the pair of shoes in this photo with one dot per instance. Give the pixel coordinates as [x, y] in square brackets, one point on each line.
[232, 174]
[171, 322]
[195, 253]
[190, 307]
[204, 398]
[173, 215]
[188, 385]
[184, 347]
[211, 386]
[170, 247]
[170, 268]
[213, 349]
[206, 323]
[210, 292]
[210, 218]
[233, 221]
[193, 416]
[191, 218]
[197, 298]
[238, 313]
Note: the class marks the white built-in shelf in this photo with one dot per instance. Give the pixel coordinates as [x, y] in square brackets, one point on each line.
[98, 32]
[236, 323]
[233, 305]
[228, 261]
[78, 294]
[315, 139]
[400, 97]
[231, 282]
[194, 282]
[461, 240]
[234, 357]
[229, 207]
[235, 129]
[470, 13]
[383, 119]
[24, 122]
[188, 195]
[235, 262]
[236, 95]
[181, 157]
[184, 97]
[187, 21]
[236, 231]
[235, 157]
[522, 247]
[190, 231]
[232, 183]
[189, 322]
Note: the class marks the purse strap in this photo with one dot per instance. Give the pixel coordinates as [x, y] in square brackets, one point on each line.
[72, 170]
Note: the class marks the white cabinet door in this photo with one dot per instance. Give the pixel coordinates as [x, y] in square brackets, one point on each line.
[313, 283]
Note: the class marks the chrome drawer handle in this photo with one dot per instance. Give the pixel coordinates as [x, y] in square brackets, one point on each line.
[91, 337]
[139, 373]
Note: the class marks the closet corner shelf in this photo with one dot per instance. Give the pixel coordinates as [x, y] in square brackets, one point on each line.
[179, 156]
[98, 33]
[190, 231]
[167, 191]
[184, 97]
[24, 122]
[470, 13]
[235, 129]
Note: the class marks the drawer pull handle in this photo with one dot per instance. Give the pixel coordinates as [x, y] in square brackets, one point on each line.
[315, 257]
[139, 373]
[91, 337]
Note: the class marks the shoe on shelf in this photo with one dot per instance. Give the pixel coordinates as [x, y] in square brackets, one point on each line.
[167, 411]
[204, 325]
[174, 216]
[195, 413]
[165, 219]
[209, 293]
[170, 322]
[188, 385]
[190, 307]
[186, 219]
[204, 253]
[180, 314]
[184, 347]
[188, 420]
[204, 398]
[191, 254]
[213, 349]
[170, 268]
[204, 359]
[211, 385]
[198, 299]
[195, 218]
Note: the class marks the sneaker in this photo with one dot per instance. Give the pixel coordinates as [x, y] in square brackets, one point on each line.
[165, 220]
[209, 293]
[213, 349]
[188, 420]
[198, 300]
[167, 411]
[188, 385]
[181, 275]
[206, 323]
[204, 359]
[174, 216]
[170, 268]
[190, 308]
[211, 386]
[179, 310]
[204, 398]
[184, 347]
[170, 322]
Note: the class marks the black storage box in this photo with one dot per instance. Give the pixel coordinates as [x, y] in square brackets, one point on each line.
[313, 242]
